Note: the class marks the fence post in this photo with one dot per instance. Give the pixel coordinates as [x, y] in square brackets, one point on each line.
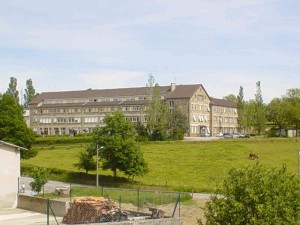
[138, 199]
[120, 205]
[179, 203]
[70, 192]
[48, 211]
[102, 190]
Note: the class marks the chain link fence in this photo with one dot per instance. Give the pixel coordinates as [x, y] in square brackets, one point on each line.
[89, 204]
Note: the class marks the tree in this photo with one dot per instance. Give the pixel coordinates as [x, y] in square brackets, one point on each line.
[12, 89]
[278, 111]
[256, 195]
[156, 112]
[40, 178]
[13, 127]
[85, 161]
[292, 97]
[260, 112]
[29, 93]
[241, 110]
[177, 124]
[120, 150]
[231, 97]
[141, 131]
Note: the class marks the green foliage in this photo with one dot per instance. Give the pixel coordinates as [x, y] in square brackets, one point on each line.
[12, 89]
[29, 93]
[120, 150]
[256, 195]
[278, 112]
[177, 124]
[40, 176]
[157, 113]
[13, 127]
[292, 97]
[85, 161]
[241, 111]
[141, 131]
[231, 97]
[260, 111]
[53, 140]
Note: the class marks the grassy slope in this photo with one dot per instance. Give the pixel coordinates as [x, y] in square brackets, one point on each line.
[184, 166]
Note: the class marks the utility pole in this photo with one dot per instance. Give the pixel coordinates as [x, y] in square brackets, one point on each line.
[97, 163]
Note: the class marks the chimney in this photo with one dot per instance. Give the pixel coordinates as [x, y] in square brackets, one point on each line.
[173, 87]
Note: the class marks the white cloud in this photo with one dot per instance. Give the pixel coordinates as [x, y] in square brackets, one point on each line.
[79, 45]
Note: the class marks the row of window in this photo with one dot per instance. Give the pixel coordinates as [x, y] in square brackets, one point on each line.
[199, 107]
[102, 99]
[87, 110]
[201, 130]
[200, 118]
[91, 119]
[225, 119]
[221, 109]
[218, 130]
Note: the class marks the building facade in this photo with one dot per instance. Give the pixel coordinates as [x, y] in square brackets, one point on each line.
[71, 112]
[10, 173]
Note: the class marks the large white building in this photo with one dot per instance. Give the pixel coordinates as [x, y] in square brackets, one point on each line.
[60, 113]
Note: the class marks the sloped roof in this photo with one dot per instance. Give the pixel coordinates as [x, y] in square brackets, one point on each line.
[12, 145]
[222, 102]
[181, 91]
[95, 93]
[184, 91]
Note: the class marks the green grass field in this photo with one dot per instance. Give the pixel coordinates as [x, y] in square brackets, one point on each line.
[183, 166]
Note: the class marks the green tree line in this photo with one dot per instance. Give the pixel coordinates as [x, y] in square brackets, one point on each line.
[254, 115]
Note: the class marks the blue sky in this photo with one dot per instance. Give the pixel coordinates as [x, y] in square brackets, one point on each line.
[222, 44]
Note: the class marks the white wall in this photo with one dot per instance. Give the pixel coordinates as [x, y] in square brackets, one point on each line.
[9, 173]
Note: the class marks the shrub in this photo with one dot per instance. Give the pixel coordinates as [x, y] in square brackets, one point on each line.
[256, 195]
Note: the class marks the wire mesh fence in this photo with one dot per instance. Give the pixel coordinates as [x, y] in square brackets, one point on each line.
[89, 204]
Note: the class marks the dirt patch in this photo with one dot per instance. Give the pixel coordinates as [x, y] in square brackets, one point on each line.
[190, 212]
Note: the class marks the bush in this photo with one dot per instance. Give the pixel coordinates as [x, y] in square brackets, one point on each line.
[40, 176]
[256, 195]
[51, 140]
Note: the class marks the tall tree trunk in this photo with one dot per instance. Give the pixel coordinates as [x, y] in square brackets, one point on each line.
[114, 172]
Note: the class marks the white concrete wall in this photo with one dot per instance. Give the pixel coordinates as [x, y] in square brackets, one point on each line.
[10, 171]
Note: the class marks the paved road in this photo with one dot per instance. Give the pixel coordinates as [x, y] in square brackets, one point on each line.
[14, 216]
[201, 138]
[49, 187]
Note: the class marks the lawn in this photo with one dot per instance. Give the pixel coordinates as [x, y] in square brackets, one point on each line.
[184, 166]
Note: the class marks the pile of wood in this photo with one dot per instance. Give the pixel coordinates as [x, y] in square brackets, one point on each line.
[91, 210]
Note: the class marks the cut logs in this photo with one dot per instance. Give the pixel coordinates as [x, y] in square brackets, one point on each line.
[91, 210]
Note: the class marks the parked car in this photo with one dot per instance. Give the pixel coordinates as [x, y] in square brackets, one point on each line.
[240, 135]
[220, 134]
[227, 136]
[235, 135]
[244, 136]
